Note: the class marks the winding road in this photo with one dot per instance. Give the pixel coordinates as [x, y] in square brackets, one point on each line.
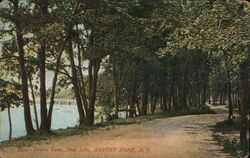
[175, 137]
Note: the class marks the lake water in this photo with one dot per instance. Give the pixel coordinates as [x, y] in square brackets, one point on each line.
[64, 116]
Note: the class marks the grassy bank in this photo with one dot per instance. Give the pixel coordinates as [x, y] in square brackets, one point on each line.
[84, 130]
[227, 134]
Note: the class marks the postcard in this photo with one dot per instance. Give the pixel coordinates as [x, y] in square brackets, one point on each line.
[124, 78]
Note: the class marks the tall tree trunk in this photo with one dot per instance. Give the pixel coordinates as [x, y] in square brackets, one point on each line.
[145, 96]
[151, 102]
[230, 106]
[74, 80]
[138, 106]
[174, 96]
[199, 96]
[58, 61]
[221, 95]
[154, 104]
[214, 98]
[132, 94]
[24, 76]
[116, 90]
[34, 101]
[206, 78]
[10, 123]
[224, 98]
[41, 58]
[229, 87]
[238, 98]
[184, 93]
[94, 67]
[209, 96]
[55, 78]
[244, 102]
[164, 99]
[170, 102]
[43, 104]
[81, 77]
[204, 91]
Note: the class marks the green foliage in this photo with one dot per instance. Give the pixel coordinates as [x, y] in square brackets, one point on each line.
[195, 111]
[105, 101]
[233, 147]
[222, 26]
[231, 126]
[64, 94]
[173, 52]
[9, 94]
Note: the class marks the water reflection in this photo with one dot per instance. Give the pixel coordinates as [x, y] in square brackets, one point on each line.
[63, 116]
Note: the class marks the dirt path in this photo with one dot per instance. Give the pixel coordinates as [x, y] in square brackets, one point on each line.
[176, 137]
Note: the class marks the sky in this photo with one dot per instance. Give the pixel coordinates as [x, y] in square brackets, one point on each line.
[49, 74]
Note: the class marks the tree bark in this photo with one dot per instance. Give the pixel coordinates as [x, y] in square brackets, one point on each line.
[132, 93]
[54, 82]
[244, 102]
[23, 74]
[204, 91]
[230, 106]
[81, 77]
[93, 69]
[10, 123]
[34, 101]
[43, 104]
[229, 87]
[74, 80]
[145, 96]
[138, 106]
[153, 106]
[116, 90]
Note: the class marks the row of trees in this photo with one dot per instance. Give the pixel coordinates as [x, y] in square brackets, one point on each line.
[178, 54]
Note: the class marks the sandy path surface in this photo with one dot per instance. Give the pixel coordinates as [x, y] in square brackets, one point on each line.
[176, 137]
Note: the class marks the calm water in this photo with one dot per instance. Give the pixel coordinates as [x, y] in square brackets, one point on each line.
[63, 116]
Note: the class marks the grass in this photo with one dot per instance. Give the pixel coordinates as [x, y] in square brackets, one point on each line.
[197, 111]
[229, 126]
[230, 138]
[233, 147]
[27, 141]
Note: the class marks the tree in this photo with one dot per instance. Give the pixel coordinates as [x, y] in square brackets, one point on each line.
[245, 100]
[15, 16]
[220, 29]
[9, 96]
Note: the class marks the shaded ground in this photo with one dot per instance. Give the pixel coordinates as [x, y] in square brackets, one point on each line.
[176, 137]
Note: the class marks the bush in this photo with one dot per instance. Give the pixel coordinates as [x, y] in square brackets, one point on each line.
[104, 113]
[235, 125]
[233, 147]
[194, 110]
